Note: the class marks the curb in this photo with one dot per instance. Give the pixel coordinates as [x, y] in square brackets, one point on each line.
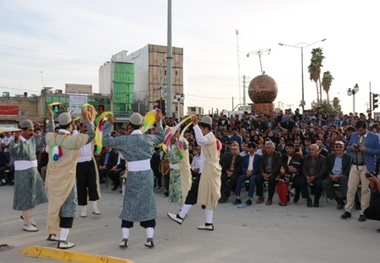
[68, 256]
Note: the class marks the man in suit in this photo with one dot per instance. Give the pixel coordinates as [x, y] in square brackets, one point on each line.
[364, 147]
[338, 166]
[155, 162]
[105, 163]
[313, 172]
[270, 165]
[117, 168]
[250, 169]
[231, 170]
[294, 162]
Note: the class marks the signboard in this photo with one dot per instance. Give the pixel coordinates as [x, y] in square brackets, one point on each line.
[8, 110]
[78, 88]
[75, 103]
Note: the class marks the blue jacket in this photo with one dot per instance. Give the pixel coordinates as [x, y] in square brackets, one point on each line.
[372, 151]
[256, 164]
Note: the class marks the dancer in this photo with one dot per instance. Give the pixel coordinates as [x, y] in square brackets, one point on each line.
[87, 176]
[205, 190]
[139, 203]
[60, 179]
[28, 188]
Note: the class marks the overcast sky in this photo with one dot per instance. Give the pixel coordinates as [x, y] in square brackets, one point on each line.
[50, 43]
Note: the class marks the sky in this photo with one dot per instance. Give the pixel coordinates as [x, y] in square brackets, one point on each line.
[50, 43]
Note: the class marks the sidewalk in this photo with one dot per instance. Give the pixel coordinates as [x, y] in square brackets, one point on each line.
[257, 233]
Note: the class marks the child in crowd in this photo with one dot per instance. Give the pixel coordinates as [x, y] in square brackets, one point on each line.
[165, 171]
[282, 185]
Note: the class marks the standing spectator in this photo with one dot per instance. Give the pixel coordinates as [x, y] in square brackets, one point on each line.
[155, 165]
[363, 146]
[165, 171]
[42, 161]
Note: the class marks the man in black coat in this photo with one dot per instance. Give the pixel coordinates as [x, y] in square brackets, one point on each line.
[338, 166]
[231, 170]
[313, 171]
[105, 163]
[270, 164]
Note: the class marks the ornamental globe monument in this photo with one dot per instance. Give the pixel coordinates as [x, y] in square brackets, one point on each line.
[262, 91]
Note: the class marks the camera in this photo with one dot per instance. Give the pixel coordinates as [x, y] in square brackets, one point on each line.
[369, 174]
[356, 147]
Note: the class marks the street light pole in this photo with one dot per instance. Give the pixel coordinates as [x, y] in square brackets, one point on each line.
[352, 92]
[302, 79]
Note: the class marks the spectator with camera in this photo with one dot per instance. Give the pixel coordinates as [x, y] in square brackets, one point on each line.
[364, 147]
[373, 211]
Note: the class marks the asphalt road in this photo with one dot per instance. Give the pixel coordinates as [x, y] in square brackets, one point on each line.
[258, 233]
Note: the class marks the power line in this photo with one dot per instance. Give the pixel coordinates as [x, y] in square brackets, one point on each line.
[52, 52]
[20, 64]
[23, 56]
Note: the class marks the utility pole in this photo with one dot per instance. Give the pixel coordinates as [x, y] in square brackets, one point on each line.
[244, 79]
[238, 60]
[169, 63]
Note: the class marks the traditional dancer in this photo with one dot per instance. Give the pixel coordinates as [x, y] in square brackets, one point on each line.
[60, 179]
[205, 190]
[28, 188]
[87, 176]
[139, 203]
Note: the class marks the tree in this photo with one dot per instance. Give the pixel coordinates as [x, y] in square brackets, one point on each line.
[327, 107]
[315, 70]
[326, 83]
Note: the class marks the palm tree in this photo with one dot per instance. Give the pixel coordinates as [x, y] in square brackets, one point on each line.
[315, 70]
[326, 83]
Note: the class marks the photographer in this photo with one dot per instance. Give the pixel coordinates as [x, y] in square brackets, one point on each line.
[363, 146]
[373, 211]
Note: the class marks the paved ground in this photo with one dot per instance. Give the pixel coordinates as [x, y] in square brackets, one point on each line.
[258, 233]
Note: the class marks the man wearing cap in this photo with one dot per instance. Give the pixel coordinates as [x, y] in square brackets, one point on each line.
[338, 166]
[28, 188]
[60, 178]
[137, 148]
[87, 175]
[205, 190]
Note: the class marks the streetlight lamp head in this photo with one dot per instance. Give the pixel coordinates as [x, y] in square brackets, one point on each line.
[356, 88]
[349, 92]
[323, 39]
[280, 44]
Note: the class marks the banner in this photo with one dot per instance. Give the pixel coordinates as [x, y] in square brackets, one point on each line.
[8, 110]
[75, 103]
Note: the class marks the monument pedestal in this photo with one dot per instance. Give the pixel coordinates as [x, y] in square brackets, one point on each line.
[264, 108]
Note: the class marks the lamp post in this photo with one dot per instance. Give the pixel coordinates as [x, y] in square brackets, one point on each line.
[179, 98]
[303, 45]
[352, 92]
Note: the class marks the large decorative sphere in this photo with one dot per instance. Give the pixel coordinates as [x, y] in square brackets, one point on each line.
[262, 89]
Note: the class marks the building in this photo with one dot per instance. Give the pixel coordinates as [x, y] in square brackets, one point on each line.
[116, 77]
[195, 110]
[137, 82]
[14, 109]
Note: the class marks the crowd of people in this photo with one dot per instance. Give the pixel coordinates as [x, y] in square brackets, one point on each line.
[285, 153]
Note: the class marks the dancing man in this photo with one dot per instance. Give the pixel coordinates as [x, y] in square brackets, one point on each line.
[139, 204]
[60, 179]
[28, 188]
[205, 190]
